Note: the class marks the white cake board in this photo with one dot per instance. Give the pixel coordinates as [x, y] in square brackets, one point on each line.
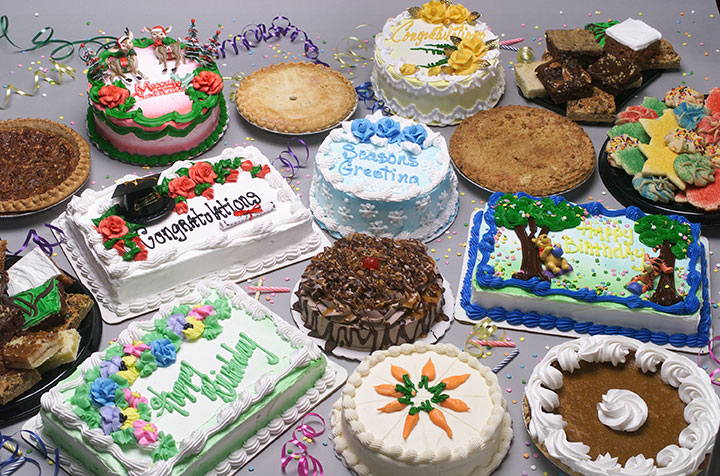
[436, 331]
[74, 468]
[462, 317]
[101, 293]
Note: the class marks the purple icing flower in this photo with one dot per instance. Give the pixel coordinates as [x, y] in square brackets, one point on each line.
[389, 128]
[415, 133]
[176, 323]
[164, 352]
[363, 129]
[102, 391]
[110, 422]
[201, 312]
[110, 367]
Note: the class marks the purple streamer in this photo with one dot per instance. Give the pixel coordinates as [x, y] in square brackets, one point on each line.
[253, 34]
[289, 159]
[42, 243]
[16, 461]
[304, 460]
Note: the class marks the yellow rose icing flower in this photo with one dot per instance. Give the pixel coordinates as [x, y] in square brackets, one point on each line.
[195, 330]
[434, 71]
[433, 12]
[131, 416]
[476, 44]
[408, 69]
[462, 61]
[456, 14]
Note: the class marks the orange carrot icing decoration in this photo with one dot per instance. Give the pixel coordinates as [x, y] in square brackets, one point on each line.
[429, 370]
[455, 381]
[455, 404]
[398, 373]
[438, 418]
[410, 422]
[388, 390]
[392, 407]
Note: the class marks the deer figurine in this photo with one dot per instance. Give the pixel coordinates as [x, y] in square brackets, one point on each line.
[165, 52]
[123, 59]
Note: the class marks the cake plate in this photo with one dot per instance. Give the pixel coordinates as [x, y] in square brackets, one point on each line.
[436, 331]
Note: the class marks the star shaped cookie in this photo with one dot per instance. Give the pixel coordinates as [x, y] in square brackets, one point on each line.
[658, 128]
[660, 158]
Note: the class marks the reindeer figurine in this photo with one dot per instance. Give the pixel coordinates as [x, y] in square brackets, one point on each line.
[123, 59]
[163, 51]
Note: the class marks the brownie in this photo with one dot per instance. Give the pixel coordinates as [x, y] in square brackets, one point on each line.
[564, 79]
[613, 74]
[636, 56]
[665, 58]
[600, 107]
[579, 44]
[11, 322]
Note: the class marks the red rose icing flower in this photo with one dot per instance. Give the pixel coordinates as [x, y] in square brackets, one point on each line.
[202, 172]
[263, 172]
[119, 247]
[113, 227]
[208, 82]
[183, 186]
[208, 193]
[143, 254]
[633, 113]
[181, 208]
[112, 96]
[246, 165]
[232, 177]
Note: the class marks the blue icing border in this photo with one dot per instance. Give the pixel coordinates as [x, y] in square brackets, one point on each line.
[565, 324]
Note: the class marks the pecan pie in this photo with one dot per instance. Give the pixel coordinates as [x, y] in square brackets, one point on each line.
[42, 163]
[295, 98]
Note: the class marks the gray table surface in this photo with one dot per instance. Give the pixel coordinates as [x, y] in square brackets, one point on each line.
[691, 26]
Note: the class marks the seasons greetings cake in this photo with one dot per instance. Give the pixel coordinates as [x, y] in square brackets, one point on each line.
[385, 176]
[196, 389]
[153, 101]
[551, 264]
[421, 409]
[437, 64]
[610, 405]
[232, 216]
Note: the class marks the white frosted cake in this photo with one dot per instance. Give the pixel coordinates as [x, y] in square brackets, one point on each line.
[423, 71]
[384, 176]
[421, 409]
[235, 216]
[197, 389]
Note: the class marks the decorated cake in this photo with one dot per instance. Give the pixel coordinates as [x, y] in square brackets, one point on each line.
[195, 389]
[157, 100]
[385, 176]
[610, 405]
[552, 264]
[144, 241]
[437, 64]
[421, 409]
[369, 293]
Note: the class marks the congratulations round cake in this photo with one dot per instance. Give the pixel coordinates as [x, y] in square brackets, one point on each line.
[154, 101]
[437, 64]
[421, 409]
[610, 405]
[384, 176]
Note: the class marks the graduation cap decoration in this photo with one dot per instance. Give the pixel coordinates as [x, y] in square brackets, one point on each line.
[142, 202]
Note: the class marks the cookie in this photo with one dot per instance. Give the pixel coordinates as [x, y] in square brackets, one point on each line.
[694, 169]
[712, 102]
[682, 94]
[709, 129]
[708, 197]
[683, 141]
[655, 104]
[658, 128]
[633, 113]
[618, 143]
[631, 160]
[689, 115]
[653, 187]
[633, 129]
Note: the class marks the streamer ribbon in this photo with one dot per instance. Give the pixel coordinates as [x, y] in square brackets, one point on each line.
[480, 332]
[17, 460]
[304, 460]
[713, 373]
[289, 159]
[366, 94]
[44, 244]
[253, 34]
[349, 52]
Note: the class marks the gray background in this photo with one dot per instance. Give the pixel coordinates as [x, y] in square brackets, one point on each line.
[691, 26]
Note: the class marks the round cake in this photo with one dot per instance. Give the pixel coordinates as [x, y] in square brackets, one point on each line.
[611, 405]
[421, 409]
[149, 112]
[384, 176]
[437, 64]
[369, 293]
[522, 149]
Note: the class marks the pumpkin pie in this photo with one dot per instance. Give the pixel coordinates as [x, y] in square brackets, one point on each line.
[42, 161]
[296, 98]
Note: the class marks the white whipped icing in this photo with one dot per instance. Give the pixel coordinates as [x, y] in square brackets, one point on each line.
[622, 410]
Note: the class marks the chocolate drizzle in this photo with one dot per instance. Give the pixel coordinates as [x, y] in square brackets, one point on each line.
[351, 306]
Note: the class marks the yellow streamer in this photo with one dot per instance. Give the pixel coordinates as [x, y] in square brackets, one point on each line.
[61, 69]
[236, 80]
[349, 53]
[481, 331]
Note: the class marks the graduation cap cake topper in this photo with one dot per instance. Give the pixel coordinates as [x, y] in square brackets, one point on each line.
[141, 201]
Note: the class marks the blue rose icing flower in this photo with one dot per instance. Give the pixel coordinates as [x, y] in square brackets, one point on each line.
[176, 323]
[110, 419]
[388, 128]
[363, 129]
[110, 367]
[689, 115]
[164, 352]
[102, 391]
[415, 133]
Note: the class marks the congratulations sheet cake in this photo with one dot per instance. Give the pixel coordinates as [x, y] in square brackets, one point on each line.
[552, 264]
[437, 64]
[195, 389]
[144, 241]
[156, 100]
[384, 176]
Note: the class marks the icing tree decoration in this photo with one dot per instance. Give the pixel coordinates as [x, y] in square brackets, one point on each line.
[644, 282]
[622, 410]
[166, 48]
[191, 44]
[517, 213]
[93, 63]
[406, 393]
[122, 59]
[551, 256]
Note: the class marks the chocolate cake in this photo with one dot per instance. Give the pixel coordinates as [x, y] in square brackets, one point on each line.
[564, 79]
[613, 74]
[578, 43]
[633, 40]
[370, 293]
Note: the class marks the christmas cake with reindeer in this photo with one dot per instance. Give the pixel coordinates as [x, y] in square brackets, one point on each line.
[553, 265]
[155, 100]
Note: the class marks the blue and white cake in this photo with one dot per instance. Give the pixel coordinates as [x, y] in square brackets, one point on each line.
[384, 176]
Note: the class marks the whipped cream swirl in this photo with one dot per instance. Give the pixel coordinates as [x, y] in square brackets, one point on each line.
[622, 410]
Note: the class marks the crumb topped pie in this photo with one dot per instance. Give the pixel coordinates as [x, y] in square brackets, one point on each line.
[295, 98]
[42, 162]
